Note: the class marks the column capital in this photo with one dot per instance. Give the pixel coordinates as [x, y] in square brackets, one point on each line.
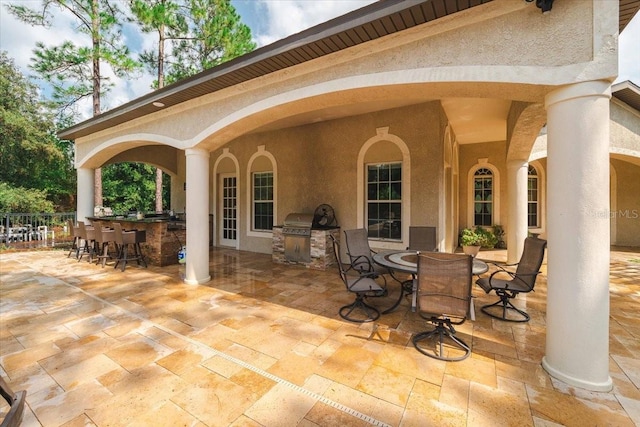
[597, 88]
[517, 163]
[200, 152]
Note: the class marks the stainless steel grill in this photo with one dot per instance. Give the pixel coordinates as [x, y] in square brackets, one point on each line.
[297, 237]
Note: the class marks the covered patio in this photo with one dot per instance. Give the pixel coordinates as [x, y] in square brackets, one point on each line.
[262, 344]
[453, 96]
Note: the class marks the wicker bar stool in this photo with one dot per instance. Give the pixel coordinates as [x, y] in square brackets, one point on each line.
[104, 238]
[75, 233]
[88, 236]
[129, 240]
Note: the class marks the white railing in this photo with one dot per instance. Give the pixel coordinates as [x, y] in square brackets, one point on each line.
[36, 227]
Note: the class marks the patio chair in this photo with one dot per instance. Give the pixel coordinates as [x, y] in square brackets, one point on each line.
[522, 280]
[75, 233]
[88, 237]
[104, 237]
[363, 285]
[124, 241]
[422, 239]
[443, 298]
[16, 402]
[360, 254]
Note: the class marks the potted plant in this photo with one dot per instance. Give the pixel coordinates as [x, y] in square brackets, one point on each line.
[499, 232]
[470, 241]
[487, 238]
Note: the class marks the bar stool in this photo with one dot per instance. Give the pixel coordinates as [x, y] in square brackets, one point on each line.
[88, 235]
[124, 239]
[104, 237]
[75, 232]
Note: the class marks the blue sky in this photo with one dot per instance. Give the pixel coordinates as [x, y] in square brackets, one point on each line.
[269, 20]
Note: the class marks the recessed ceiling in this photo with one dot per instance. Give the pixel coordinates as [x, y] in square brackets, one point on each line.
[476, 120]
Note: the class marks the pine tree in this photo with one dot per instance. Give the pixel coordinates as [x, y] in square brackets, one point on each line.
[73, 71]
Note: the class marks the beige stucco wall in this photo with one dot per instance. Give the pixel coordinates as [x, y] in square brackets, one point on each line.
[627, 208]
[318, 164]
[625, 130]
[434, 60]
[505, 49]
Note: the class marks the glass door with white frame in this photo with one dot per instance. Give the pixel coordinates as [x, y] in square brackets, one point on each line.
[229, 214]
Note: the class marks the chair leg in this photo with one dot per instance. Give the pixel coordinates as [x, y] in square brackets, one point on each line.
[507, 306]
[442, 331]
[122, 257]
[139, 256]
[371, 312]
[74, 247]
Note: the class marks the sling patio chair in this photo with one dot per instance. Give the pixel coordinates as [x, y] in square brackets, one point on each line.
[360, 253]
[422, 238]
[512, 283]
[363, 285]
[443, 299]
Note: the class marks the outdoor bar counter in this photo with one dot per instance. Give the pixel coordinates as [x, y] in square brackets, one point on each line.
[164, 236]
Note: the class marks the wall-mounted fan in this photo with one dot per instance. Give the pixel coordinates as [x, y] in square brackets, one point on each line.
[324, 217]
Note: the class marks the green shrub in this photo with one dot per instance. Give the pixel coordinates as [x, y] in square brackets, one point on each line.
[18, 199]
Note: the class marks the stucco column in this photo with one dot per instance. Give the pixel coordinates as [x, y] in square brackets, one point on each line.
[577, 347]
[86, 189]
[197, 268]
[517, 174]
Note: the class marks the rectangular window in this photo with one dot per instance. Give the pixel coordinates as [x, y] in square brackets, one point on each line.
[263, 201]
[384, 201]
[532, 196]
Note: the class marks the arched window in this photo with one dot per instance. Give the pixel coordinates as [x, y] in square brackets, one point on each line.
[533, 198]
[384, 189]
[483, 195]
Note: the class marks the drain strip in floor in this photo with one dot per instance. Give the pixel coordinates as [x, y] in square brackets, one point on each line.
[242, 363]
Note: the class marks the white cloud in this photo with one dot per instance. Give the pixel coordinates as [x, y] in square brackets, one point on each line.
[629, 48]
[287, 17]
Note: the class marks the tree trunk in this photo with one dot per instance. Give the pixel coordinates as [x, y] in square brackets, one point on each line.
[158, 190]
[95, 38]
[160, 86]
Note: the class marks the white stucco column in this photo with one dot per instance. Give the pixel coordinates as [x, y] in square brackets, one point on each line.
[577, 347]
[86, 189]
[517, 174]
[197, 268]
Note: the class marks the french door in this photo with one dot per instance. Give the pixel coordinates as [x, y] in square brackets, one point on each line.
[228, 225]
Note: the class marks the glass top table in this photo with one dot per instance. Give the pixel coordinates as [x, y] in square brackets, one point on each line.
[406, 261]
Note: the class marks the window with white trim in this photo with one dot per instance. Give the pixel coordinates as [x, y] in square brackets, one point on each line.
[262, 201]
[483, 197]
[384, 201]
[533, 198]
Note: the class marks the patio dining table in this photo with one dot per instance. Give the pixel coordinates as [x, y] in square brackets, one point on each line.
[406, 261]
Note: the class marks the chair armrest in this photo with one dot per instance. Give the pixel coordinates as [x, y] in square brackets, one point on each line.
[357, 262]
[514, 276]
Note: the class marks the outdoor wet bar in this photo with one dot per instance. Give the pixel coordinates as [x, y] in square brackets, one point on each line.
[164, 236]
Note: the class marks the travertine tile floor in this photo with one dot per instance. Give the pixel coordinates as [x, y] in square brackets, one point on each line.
[262, 345]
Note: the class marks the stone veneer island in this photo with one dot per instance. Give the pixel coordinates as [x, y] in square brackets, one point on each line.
[164, 236]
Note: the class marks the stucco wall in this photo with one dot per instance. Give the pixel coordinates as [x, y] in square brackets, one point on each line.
[523, 54]
[625, 129]
[627, 209]
[318, 164]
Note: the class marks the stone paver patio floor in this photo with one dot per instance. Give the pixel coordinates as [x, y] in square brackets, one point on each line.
[262, 345]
